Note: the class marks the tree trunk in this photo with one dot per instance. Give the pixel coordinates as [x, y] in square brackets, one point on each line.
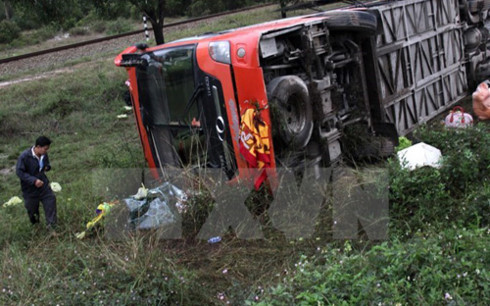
[158, 32]
[282, 3]
[6, 6]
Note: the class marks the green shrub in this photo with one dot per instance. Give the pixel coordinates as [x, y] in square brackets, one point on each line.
[198, 8]
[418, 200]
[79, 31]
[451, 267]
[45, 33]
[466, 154]
[432, 198]
[8, 31]
[99, 26]
[118, 26]
[404, 143]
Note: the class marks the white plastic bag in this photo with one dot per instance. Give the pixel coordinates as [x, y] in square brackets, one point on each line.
[420, 155]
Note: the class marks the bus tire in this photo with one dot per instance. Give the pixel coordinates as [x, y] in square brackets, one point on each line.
[291, 110]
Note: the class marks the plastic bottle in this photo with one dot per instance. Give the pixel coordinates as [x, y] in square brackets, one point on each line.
[213, 240]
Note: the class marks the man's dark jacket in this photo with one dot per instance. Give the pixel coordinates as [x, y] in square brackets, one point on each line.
[28, 171]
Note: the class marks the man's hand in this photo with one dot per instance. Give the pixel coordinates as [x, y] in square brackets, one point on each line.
[38, 183]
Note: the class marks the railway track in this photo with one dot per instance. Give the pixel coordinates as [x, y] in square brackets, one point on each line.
[73, 52]
[132, 33]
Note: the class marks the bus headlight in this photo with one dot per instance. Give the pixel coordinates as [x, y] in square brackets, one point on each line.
[220, 51]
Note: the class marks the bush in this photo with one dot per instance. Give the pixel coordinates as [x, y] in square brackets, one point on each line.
[45, 33]
[99, 26]
[79, 31]
[418, 200]
[466, 154]
[431, 198]
[443, 269]
[198, 8]
[8, 31]
[118, 26]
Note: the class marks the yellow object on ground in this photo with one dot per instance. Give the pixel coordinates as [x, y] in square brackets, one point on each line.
[15, 200]
[102, 210]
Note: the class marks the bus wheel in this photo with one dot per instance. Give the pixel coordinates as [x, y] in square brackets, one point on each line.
[290, 110]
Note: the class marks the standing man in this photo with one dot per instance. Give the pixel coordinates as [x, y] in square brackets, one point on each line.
[31, 167]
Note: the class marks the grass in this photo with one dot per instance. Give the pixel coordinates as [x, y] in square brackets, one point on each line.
[438, 220]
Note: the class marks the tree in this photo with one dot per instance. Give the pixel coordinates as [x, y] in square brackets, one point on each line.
[60, 14]
[7, 9]
[283, 4]
[154, 10]
[108, 9]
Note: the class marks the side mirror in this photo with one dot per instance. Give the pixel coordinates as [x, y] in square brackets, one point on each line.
[133, 60]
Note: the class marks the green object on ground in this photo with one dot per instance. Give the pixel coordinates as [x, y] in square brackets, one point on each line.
[403, 143]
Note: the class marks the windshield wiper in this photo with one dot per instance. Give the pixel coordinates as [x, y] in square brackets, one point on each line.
[197, 91]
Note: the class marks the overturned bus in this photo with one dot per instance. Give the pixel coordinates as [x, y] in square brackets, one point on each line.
[283, 93]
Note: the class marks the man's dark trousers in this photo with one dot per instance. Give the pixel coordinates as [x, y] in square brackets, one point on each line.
[48, 199]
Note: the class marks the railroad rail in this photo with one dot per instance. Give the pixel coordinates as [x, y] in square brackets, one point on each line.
[107, 38]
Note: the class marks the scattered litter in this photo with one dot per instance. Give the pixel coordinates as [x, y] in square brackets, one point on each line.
[156, 208]
[80, 235]
[142, 193]
[457, 118]
[419, 155]
[214, 240]
[157, 214]
[102, 211]
[15, 200]
[56, 187]
[122, 116]
[127, 108]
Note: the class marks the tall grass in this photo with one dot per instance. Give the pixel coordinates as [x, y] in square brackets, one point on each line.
[78, 112]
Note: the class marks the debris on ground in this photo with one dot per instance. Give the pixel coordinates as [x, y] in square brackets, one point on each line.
[141, 194]
[458, 118]
[56, 187]
[159, 207]
[156, 208]
[102, 211]
[13, 201]
[214, 240]
[419, 155]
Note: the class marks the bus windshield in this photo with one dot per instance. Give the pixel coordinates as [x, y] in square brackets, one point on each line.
[167, 88]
